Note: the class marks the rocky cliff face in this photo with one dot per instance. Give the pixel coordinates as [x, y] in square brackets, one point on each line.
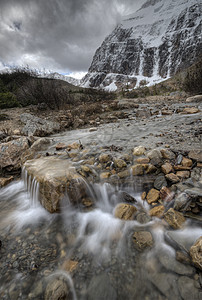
[161, 38]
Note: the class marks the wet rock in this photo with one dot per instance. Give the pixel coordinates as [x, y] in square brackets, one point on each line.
[92, 129]
[143, 218]
[166, 283]
[186, 162]
[190, 110]
[196, 253]
[183, 174]
[58, 288]
[11, 152]
[152, 196]
[179, 159]
[172, 177]
[196, 155]
[123, 196]
[37, 126]
[119, 163]
[5, 181]
[137, 170]
[160, 182]
[100, 288]
[155, 157]
[150, 169]
[60, 146]
[182, 257]
[40, 144]
[167, 154]
[144, 160]
[166, 194]
[174, 218]
[157, 211]
[167, 168]
[69, 265]
[140, 150]
[105, 175]
[125, 211]
[187, 288]
[142, 240]
[55, 176]
[182, 201]
[169, 262]
[104, 158]
[124, 174]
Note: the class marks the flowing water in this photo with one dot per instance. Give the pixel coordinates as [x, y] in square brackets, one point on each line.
[89, 250]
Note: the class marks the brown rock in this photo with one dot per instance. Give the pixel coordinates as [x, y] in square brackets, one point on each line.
[74, 145]
[150, 169]
[152, 196]
[119, 163]
[172, 177]
[157, 211]
[167, 168]
[183, 174]
[60, 146]
[5, 181]
[181, 168]
[143, 196]
[87, 202]
[196, 253]
[85, 169]
[137, 170]
[167, 154]
[191, 110]
[124, 174]
[186, 162]
[165, 194]
[139, 150]
[57, 288]
[105, 175]
[69, 265]
[174, 218]
[104, 158]
[125, 211]
[196, 155]
[144, 160]
[199, 165]
[142, 240]
[11, 152]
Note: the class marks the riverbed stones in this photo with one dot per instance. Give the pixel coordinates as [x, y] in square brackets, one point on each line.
[104, 158]
[60, 146]
[166, 194]
[167, 168]
[5, 181]
[119, 163]
[11, 152]
[55, 176]
[167, 154]
[174, 218]
[155, 157]
[190, 110]
[152, 196]
[186, 162]
[140, 150]
[183, 174]
[137, 170]
[196, 253]
[160, 182]
[125, 211]
[142, 240]
[57, 288]
[173, 178]
[182, 201]
[157, 211]
[196, 155]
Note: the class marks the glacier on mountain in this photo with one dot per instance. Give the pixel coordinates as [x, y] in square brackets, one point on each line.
[148, 46]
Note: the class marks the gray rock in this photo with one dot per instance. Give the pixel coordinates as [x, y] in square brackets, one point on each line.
[187, 288]
[100, 288]
[182, 201]
[37, 126]
[155, 157]
[170, 263]
[57, 288]
[160, 181]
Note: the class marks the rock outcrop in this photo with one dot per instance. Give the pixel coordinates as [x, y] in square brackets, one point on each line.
[148, 46]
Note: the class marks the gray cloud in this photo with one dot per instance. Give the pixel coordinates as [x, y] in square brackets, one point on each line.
[61, 35]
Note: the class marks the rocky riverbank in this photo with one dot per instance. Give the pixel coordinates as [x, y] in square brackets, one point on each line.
[133, 232]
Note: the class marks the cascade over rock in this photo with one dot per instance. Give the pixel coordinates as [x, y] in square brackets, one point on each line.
[57, 178]
[148, 46]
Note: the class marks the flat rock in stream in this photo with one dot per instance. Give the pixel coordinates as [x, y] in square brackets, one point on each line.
[56, 177]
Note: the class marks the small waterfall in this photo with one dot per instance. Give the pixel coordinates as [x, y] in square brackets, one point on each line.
[32, 187]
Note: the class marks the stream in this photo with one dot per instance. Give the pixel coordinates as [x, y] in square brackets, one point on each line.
[88, 253]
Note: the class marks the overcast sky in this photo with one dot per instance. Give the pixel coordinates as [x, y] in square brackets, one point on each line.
[58, 35]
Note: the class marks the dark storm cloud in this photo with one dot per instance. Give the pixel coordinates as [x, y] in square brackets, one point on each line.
[57, 34]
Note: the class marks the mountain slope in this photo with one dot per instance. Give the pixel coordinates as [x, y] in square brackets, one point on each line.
[161, 38]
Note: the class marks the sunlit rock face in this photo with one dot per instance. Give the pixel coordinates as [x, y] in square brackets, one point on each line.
[57, 179]
[152, 44]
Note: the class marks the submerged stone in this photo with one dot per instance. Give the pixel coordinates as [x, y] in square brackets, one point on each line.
[55, 177]
[142, 240]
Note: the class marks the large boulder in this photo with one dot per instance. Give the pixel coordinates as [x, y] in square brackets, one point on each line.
[37, 126]
[57, 178]
[11, 152]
